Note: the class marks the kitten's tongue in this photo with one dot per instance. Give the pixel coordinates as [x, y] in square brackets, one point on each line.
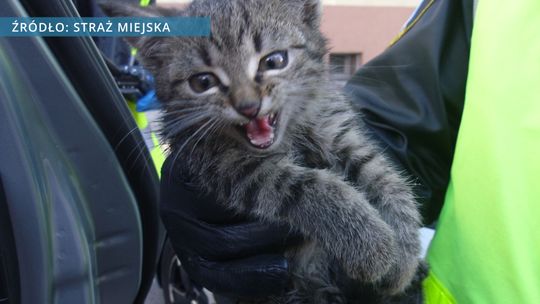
[260, 132]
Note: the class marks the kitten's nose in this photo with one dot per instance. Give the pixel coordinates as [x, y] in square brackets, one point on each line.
[249, 109]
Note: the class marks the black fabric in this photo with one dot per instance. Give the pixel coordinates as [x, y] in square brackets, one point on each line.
[412, 96]
[220, 250]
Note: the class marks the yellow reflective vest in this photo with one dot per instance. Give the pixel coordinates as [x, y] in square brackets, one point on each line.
[487, 245]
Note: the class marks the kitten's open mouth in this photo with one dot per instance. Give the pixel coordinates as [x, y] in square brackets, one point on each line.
[260, 131]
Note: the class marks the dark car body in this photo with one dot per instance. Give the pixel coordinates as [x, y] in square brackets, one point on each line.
[79, 219]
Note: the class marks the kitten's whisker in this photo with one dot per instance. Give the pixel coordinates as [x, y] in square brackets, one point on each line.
[125, 137]
[204, 134]
[175, 128]
[195, 134]
[137, 147]
[183, 116]
[139, 154]
[221, 121]
[183, 110]
[187, 141]
[177, 153]
[183, 103]
[187, 114]
[181, 125]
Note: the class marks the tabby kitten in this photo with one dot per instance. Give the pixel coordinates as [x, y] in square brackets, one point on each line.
[252, 115]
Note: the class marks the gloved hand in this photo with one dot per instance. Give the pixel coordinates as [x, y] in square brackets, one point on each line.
[221, 251]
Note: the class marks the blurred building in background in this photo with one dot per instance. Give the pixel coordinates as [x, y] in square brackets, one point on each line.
[357, 30]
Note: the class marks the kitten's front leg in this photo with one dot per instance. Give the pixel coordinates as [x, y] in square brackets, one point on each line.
[320, 205]
[368, 169]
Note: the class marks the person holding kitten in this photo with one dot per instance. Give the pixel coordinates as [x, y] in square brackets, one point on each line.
[441, 78]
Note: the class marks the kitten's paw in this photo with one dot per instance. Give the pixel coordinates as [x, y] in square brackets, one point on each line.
[403, 277]
[370, 256]
[399, 277]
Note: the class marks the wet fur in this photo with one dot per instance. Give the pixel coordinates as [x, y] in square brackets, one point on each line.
[323, 177]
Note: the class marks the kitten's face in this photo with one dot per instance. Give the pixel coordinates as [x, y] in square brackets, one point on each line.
[250, 80]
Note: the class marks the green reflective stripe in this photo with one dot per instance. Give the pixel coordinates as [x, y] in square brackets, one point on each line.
[157, 154]
[156, 150]
[140, 118]
[435, 292]
[487, 245]
[145, 2]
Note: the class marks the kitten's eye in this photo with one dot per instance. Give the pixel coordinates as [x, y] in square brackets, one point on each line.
[275, 61]
[203, 82]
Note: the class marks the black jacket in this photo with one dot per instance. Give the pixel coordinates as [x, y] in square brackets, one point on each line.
[412, 96]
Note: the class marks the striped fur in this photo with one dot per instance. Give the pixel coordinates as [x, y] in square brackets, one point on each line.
[322, 176]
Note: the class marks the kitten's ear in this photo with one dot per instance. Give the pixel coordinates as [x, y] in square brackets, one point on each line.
[312, 12]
